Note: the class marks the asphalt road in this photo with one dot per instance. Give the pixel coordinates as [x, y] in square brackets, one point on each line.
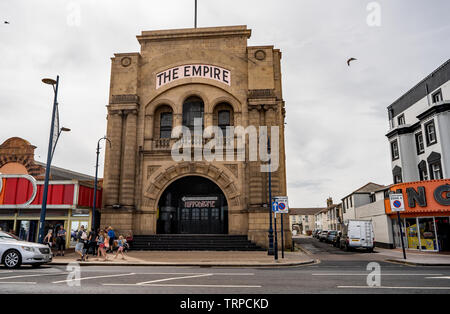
[337, 272]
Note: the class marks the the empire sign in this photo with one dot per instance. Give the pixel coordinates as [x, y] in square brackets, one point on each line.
[211, 72]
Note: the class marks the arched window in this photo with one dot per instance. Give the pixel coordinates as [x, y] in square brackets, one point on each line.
[163, 121]
[165, 129]
[223, 116]
[193, 108]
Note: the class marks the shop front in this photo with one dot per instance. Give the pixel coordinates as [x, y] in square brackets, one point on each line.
[69, 205]
[426, 219]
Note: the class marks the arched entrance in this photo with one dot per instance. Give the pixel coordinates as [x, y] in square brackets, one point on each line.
[192, 205]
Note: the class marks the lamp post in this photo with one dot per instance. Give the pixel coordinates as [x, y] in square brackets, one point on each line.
[270, 251]
[49, 155]
[95, 182]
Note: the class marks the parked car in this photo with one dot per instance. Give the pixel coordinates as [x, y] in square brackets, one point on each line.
[323, 235]
[358, 234]
[15, 252]
[331, 236]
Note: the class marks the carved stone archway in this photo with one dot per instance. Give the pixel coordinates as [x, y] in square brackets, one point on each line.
[164, 177]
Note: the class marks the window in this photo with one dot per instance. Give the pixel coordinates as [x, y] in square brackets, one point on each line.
[430, 133]
[423, 172]
[401, 119]
[193, 109]
[165, 129]
[372, 198]
[397, 174]
[437, 97]
[351, 201]
[436, 171]
[419, 143]
[224, 120]
[394, 150]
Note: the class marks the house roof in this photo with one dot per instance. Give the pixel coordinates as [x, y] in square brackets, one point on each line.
[366, 189]
[57, 173]
[305, 211]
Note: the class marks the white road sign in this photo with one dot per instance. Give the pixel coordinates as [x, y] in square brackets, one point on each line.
[280, 205]
[397, 204]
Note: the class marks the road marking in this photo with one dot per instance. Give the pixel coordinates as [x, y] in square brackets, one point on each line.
[174, 285]
[385, 287]
[215, 274]
[382, 274]
[444, 277]
[6, 272]
[95, 277]
[173, 278]
[23, 283]
[35, 275]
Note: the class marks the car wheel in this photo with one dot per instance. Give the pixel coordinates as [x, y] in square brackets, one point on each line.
[12, 259]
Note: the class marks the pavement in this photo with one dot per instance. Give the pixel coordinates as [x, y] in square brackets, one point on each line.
[192, 258]
[315, 248]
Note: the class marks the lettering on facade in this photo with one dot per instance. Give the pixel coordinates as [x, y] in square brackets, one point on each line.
[441, 196]
[193, 70]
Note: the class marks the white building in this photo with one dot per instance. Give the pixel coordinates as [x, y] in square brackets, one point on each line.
[360, 197]
[367, 203]
[419, 134]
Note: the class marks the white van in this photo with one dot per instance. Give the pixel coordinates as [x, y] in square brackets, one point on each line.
[358, 234]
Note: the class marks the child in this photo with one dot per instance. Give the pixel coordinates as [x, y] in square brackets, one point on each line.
[101, 245]
[121, 243]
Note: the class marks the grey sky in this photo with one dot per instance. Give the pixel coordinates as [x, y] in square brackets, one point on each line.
[336, 116]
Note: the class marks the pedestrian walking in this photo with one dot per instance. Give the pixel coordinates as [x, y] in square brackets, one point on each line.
[61, 241]
[48, 240]
[101, 240]
[92, 242]
[111, 238]
[81, 246]
[121, 244]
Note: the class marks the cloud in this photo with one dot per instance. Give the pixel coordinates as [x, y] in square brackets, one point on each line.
[336, 115]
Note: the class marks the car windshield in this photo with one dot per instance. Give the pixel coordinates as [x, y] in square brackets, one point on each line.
[333, 232]
[7, 236]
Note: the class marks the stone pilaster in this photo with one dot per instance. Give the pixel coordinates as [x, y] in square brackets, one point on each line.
[113, 158]
[128, 178]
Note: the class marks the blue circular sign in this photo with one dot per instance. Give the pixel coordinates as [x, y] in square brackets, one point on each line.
[397, 204]
[281, 206]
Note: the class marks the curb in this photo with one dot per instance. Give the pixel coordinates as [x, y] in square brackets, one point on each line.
[189, 264]
[416, 263]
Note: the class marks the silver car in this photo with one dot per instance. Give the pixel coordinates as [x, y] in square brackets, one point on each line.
[15, 252]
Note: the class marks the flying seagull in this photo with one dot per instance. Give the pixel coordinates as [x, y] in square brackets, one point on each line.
[5, 22]
[350, 60]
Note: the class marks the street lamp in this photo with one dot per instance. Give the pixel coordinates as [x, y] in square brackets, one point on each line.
[51, 149]
[63, 129]
[95, 182]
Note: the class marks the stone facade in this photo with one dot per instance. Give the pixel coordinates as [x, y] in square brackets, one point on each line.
[139, 166]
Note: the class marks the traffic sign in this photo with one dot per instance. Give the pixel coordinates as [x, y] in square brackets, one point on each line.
[397, 204]
[280, 205]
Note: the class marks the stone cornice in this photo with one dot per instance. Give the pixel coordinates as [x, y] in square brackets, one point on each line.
[195, 33]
